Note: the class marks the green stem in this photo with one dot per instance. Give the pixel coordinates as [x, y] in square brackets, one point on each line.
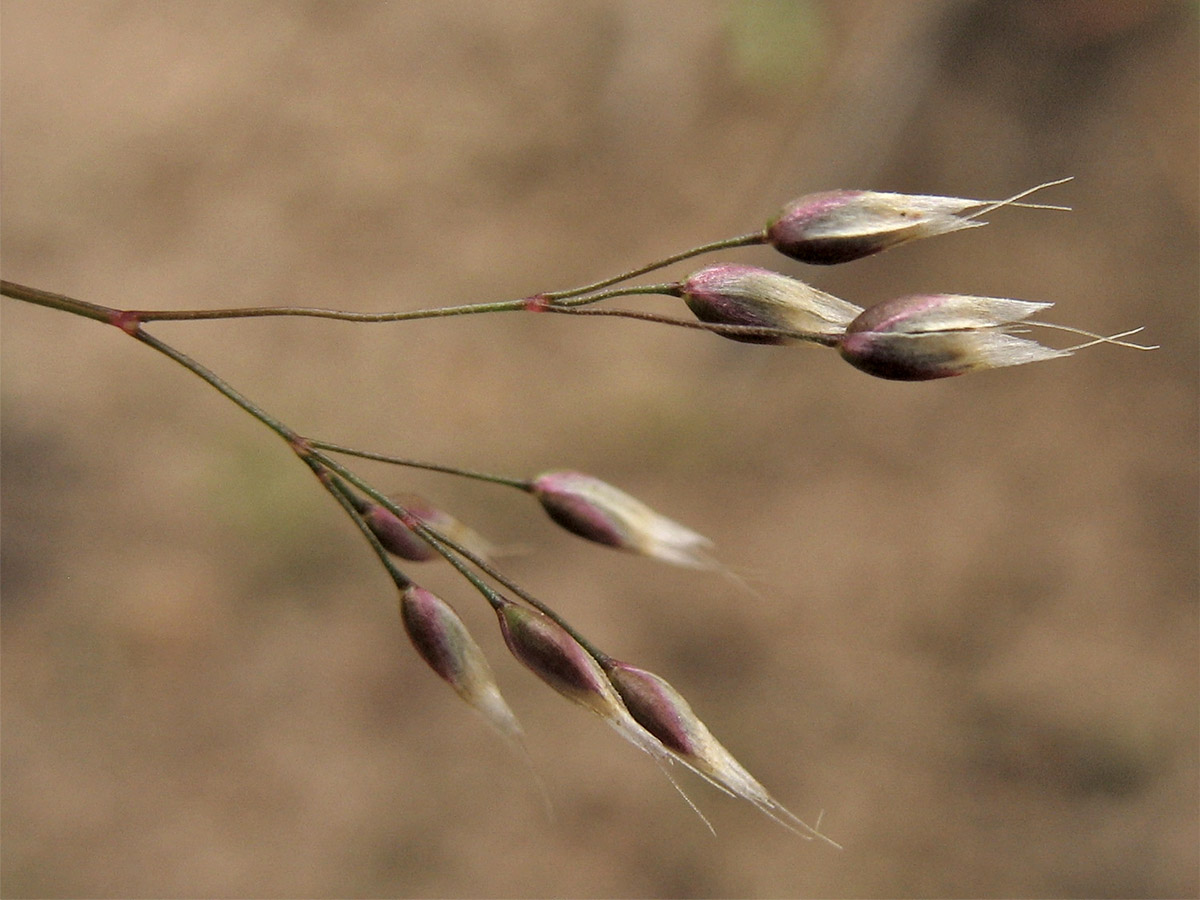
[590, 293]
[522, 484]
[535, 303]
[129, 324]
[824, 340]
[743, 240]
[221, 385]
[446, 548]
[39, 297]
[251, 312]
[294, 441]
[555, 301]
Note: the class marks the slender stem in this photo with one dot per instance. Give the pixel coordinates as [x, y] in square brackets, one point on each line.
[294, 441]
[490, 594]
[744, 240]
[123, 320]
[492, 572]
[39, 297]
[251, 312]
[221, 385]
[522, 484]
[590, 293]
[669, 289]
[440, 543]
[825, 340]
[446, 548]
[320, 464]
[323, 465]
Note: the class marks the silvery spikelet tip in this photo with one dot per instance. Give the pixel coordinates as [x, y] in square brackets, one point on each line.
[599, 512]
[732, 294]
[926, 336]
[662, 711]
[841, 226]
[546, 649]
[639, 705]
[441, 639]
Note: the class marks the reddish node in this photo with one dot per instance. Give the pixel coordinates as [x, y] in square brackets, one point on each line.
[127, 321]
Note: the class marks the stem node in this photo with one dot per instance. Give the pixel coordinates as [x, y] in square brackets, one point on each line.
[127, 320]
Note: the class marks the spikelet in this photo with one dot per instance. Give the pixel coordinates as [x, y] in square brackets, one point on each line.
[731, 294]
[400, 540]
[546, 649]
[662, 711]
[442, 640]
[599, 512]
[841, 226]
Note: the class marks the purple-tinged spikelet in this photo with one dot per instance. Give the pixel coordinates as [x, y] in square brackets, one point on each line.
[732, 294]
[396, 537]
[663, 712]
[926, 336]
[658, 708]
[546, 649]
[442, 640]
[599, 512]
[400, 540]
[840, 226]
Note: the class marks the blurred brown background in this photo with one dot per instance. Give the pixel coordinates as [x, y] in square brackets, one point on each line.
[976, 642]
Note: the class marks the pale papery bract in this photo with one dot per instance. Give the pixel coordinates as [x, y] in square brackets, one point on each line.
[733, 294]
[599, 512]
[442, 640]
[832, 227]
[926, 336]
[662, 710]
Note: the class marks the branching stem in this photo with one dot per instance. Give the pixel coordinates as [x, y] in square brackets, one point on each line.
[825, 340]
[743, 240]
[520, 483]
[581, 296]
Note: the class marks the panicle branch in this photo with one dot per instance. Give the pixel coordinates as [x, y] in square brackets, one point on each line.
[916, 337]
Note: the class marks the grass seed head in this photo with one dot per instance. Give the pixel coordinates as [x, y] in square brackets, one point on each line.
[547, 650]
[442, 640]
[841, 226]
[396, 537]
[400, 540]
[599, 512]
[732, 294]
[662, 711]
[925, 336]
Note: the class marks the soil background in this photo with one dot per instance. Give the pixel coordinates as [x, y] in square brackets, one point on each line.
[973, 637]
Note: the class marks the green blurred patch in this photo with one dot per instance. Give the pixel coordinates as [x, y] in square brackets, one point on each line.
[265, 500]
[777, 42]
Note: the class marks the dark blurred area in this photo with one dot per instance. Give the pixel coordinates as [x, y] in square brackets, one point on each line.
[973, 640]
